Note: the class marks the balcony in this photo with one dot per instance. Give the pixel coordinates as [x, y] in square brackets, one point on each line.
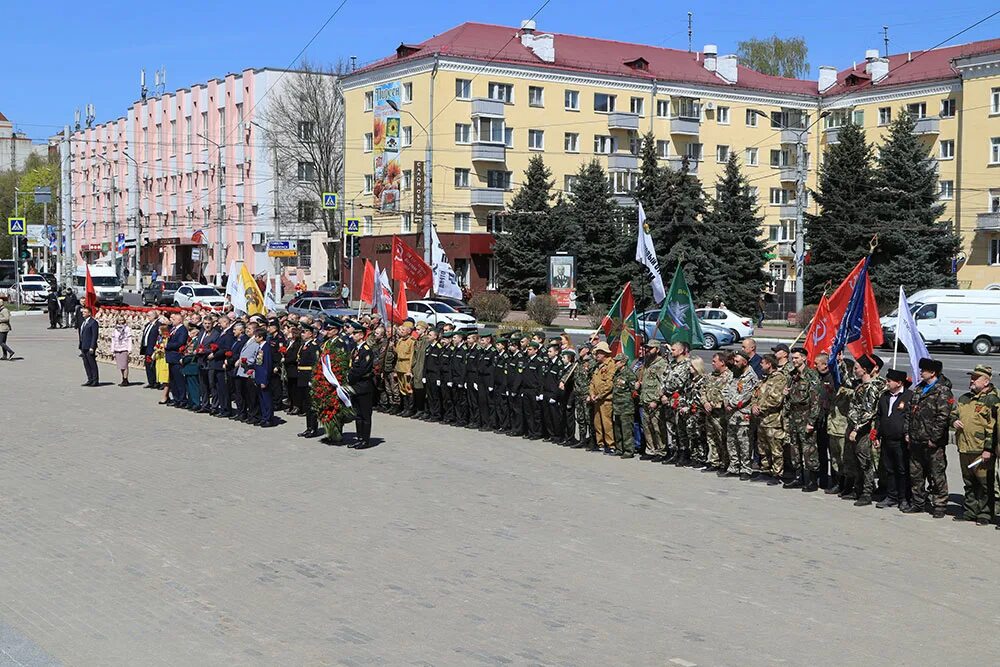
[676, 162]
[620, 120]
[786, 211]
[988, 222]
[784, 248]
[489, 152]
[488, 197]
[482, 106]
[832, 135]
[791, 135]
[627, 201]
[927, 125]
[623, 162]
[788, 174]
[690, 126]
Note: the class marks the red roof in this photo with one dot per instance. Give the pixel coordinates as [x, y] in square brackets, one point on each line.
[915, 67]
[502, 44]
[3, 118]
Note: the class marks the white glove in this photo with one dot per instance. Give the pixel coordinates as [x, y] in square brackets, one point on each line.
[449, 384]
[475, 385]
[438, 382]
[491, 389]
[552, 400]
[538, 398]
[424, 380]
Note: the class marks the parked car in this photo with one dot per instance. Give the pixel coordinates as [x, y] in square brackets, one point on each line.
[742, 327]
[457, 304]
[189, 294]
[436, 312]
[160, 293]
[34, 278]
[330, 288]
[33, 292]
[969, 319]
[323, 295]
[715, 336]
[319, 306]
[107, 285]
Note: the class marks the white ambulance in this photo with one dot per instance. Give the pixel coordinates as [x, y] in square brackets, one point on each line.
[969, 319]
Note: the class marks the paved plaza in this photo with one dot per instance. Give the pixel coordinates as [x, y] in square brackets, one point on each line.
[134, 534]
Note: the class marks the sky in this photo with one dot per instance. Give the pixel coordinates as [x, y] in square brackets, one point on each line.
[64, 55]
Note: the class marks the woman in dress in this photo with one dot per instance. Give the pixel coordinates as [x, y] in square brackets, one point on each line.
[160, 361]
[121, 346]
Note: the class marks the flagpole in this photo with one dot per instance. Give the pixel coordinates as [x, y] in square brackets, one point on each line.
[895, 347]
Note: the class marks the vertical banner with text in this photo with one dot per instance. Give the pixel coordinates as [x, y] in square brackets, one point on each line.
[386, 138]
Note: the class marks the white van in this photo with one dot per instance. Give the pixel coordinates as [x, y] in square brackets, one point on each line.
[106, 284]
[969, 319]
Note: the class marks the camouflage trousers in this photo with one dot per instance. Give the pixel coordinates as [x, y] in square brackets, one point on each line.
[653, 430]
[715, 438]
[622, 427]
[836, 454]
[771, 449]
[802, 444]
[669, 419]
[864, 478]
[584, 421]
[977, 492]
[738, 443]
[390, 391]
[696, 436]
[927, 475]
[682, 444]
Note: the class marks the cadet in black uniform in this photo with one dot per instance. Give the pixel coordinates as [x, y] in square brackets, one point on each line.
[447, 385]
[432, 376]
[290, 360]
[458, 363]
[499, 398]
[472, 379]
[515, 379]
[363, 385]
[568, 400]
[531, 392]
[487, 392]
[305, 360]
[551, 395]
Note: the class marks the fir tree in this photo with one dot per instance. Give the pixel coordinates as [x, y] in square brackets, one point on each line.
[915, 249]
[522, 250]
[734, 227]
[597, 235]
[685, 235]
[839, 236]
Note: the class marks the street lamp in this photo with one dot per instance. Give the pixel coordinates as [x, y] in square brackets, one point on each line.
[429, 175]
[218, 190]
[800, 188]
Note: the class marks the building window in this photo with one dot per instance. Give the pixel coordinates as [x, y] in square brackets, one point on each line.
[836, 118]
[995, 100]
[461, 178]
[604, 103]
[782, 232]
[407, 179]
[623, 182]
[366, 222]
[947, 149]
[306, 172]
[751, 118]
[494, 224]
[572, 100]
[947, 189]
[994, 150]
[240, 256]
[603, 144]
[695, 152]
[751, 157]
[994, 203]
[307, 211]
[491, 283]
[536, 96]
[686, 107]
[463, 89]
[204, 129]
[778, 270]
[488, 130]
[305, 130]
[780, 157]
[369, 140]
[463, 222]
[663, 108]
[463, 133]
[406, 222]
[502, 92]
[662, 148]
[994, 257]
[569, 182]
[222, 127]
[722, 115]
[884, 115]
[571, 142]
[407, 93]
[858, 117]
[174, 139]
[369, 183]
[634, 142]
[508, 137]
[407, 136]
[948, 107]
[917, 110]
[781, 196]
[637, 106]
[536, 140]
[369, 100]
[722, 153]
[498, 180]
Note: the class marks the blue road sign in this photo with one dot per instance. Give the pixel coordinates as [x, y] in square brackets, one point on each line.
[329, 200]
[16, 226]
[353, 227]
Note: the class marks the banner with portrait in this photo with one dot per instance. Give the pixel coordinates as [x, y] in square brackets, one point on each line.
[562, 278]
[386, 146]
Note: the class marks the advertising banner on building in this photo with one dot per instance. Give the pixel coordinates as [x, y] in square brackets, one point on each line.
[386, 145]
[562, 278]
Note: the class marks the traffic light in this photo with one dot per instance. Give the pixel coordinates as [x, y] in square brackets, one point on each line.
[356, 248]
[22, 248]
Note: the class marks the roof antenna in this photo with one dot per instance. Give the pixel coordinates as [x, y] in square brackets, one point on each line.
[354, 63]
[690, 30]
[885, 39]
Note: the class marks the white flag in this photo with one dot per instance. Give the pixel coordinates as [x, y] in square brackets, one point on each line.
[908, 335]
[269, 303]
[445, 280]
[331, 377]
[237, 297]
[383, 297]
[645, 254]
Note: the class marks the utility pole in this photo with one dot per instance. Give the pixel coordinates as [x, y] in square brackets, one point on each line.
[136, 260]
[218, 190]
[66, 212]
[277, 223]
[429, 170]
[13, 253]
[114, 215]
[800, 244]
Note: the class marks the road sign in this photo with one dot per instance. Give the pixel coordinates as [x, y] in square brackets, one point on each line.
[196, 254]
[329, 200]
[43, 195]
[352, 227]
[282, 248]
[16, 227]
[121, 243]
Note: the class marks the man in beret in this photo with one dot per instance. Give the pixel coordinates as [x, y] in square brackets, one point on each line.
[432, 375]
[861, 420]
[890, 427]
[781, 351]
[973, 418]
[927, 436]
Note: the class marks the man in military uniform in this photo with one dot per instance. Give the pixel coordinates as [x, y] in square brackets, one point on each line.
[927, 436]
[781, 352]
[551, 406]
[404, 368]
[390, 381]
[695, 414]
[459, 364]
[974, 417]
[860, 417]
[499, 397]
[531, 392]
[802, 406]
[447, 382]
[420, 343]
[738, 395]
[515, 376]
[360, 379]
[599, 397]
[289, 360]
[651, 381]
[473, 351]
[675, 385]
[582, 374]
[623, 407]
[765, 406]
[715, 413]
[432, 376]
[567, 390]
[306, 355]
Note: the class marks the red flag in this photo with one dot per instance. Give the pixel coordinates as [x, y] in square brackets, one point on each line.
[400, 311]
[871, 327]
[410, 267]
[368, 283]
[90, 299]
[821, 332]
[620, 324]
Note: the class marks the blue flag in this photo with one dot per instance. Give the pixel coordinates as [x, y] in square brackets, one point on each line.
[850, 326]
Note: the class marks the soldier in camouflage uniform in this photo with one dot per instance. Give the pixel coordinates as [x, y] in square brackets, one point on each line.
[765, 407]
[585, 366]
[675, 386]
[737, 397]
[860, 417]
[715, 412]
[801, 412]
[841, 452]
[927, 436]
[651, 380]
[623, 407]
[390, 382]
[974, 416]
[696, 413]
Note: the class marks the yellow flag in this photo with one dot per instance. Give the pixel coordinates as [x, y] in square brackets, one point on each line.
[255, 300]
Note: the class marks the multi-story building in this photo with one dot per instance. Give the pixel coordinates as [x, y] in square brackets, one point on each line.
[16, 147]
[182, 172]
[486, 98]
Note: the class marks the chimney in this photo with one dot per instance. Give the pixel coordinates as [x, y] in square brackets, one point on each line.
[542, 46]
[827, 77]
[711, 57]
[727, 69]
[871, 54]
[877, 68]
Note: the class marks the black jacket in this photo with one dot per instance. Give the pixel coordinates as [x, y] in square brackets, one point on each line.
[892, 426]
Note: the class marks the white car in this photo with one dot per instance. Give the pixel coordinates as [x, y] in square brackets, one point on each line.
[189, 294]
[742, 327]
[33, 292]
[35, 278]
[435, 313]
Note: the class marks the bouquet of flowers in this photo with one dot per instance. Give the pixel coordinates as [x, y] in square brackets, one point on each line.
[330, 411]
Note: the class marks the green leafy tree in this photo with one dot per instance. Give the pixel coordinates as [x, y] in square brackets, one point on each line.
[915, 247]
[775, 55]
[839, 236]
[734, 224]
[598, 235]
[687, 239]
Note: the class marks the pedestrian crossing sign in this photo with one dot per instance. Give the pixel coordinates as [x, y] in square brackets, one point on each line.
[352, 226]
[329, 200]
[16, 227]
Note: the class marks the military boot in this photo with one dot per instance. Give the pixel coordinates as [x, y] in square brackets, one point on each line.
[795, 483]
[811, 481]
[835, 483]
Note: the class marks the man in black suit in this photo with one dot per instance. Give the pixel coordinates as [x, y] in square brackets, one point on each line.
[890, 427]
[88, 347]
[174, 355]
[147, 345]
[208, 335]
[224, 341]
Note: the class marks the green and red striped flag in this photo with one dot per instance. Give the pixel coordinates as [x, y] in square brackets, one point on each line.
[620, 325]
[677, 320]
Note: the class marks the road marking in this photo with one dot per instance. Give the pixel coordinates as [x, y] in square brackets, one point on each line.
[682, 663]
